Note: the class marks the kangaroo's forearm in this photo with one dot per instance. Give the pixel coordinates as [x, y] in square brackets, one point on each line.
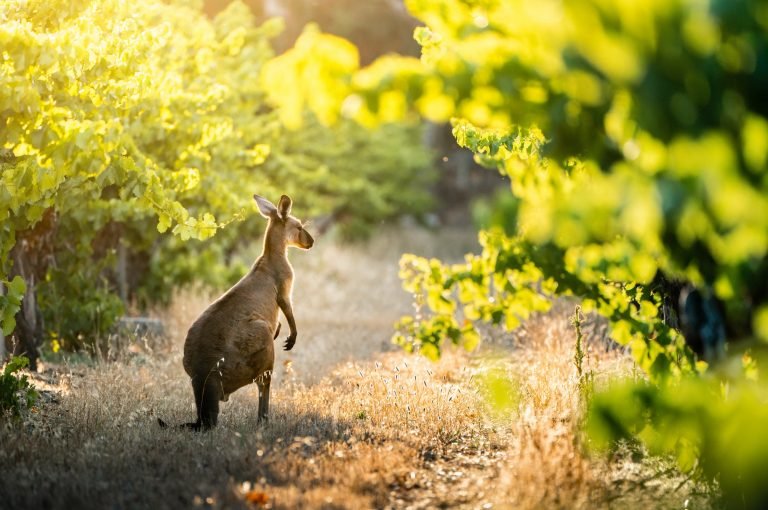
[285, 306]
[291, 321]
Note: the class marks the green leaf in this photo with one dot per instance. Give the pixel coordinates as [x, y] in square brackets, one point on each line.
[9, 321]
[17, 286]
[163, 222]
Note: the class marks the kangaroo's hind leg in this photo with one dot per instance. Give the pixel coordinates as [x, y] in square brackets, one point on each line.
[263, 382]
[208, 392]
[261, 360]
[209, 405]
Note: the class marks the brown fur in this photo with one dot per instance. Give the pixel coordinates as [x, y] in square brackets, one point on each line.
[231, 344]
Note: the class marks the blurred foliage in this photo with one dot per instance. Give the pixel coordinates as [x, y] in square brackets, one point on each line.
[501, 391]
[711, 428]
[16, 392]
[151, 117]
[317, 63]
[375, 27]
[500, 210]
[10, 302]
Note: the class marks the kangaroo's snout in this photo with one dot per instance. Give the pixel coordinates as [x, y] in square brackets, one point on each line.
[305, 240]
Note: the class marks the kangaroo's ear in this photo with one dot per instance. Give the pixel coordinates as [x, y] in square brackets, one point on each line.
[284, 206]
[266, 208]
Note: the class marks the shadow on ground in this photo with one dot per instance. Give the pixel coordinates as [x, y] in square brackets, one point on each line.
[77, 465]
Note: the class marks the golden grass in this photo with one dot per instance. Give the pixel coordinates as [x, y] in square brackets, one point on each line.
[354, 423]
[547, 464]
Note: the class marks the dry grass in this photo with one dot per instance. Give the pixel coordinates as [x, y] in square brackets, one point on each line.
[547, 465]
[353, 423]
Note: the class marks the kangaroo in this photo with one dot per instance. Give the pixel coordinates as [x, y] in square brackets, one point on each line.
[232, 343]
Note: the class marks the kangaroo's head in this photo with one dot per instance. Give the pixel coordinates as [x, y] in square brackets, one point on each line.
[282, 225]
